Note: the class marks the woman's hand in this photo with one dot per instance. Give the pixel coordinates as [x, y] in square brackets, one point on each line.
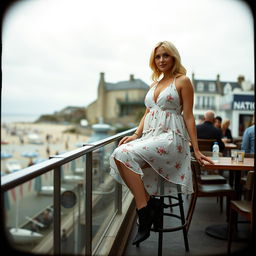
[126, 139]
[201, 159]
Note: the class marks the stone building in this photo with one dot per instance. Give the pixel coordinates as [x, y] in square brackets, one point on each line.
[118, 103]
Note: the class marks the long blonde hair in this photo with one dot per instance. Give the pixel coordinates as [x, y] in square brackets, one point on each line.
[177, 68]
[225, 124]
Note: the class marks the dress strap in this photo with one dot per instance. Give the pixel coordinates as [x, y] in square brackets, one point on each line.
[174, 80]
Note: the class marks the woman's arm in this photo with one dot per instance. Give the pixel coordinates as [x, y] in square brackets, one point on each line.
[229, 135]
[187, 95]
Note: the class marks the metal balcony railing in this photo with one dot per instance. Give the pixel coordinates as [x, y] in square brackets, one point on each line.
[55, 163]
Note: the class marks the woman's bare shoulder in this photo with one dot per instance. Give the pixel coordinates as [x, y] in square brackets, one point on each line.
[183, 80]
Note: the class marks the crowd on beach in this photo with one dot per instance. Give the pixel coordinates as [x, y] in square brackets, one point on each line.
[42, 139]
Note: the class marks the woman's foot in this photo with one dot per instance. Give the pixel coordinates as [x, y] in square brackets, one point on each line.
[147, 216]
[156, 204]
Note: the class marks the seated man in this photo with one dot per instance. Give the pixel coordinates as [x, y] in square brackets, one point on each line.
[207, 130]
[248, 140]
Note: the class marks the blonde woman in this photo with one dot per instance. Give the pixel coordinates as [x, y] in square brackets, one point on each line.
[226, 132]
[160, 145]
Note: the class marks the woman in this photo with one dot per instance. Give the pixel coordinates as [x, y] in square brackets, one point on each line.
[226, 132]
[160, 145]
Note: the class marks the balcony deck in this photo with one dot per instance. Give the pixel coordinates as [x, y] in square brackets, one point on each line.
[207, 213]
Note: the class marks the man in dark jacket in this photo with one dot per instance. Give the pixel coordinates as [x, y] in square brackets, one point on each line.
[207, 130]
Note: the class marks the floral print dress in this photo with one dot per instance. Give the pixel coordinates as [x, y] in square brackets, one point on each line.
[164, 146]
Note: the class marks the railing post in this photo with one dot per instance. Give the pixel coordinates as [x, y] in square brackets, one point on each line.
[56, 212]
[118, 194]
[88, 205]
[118, 198]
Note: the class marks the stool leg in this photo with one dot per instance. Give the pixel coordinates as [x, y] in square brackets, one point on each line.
[185, 234]
[170, 202]
[221, 204]
[160, 233]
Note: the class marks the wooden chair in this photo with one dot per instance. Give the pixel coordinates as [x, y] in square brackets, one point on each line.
[205, 144]
[241, 207]
[211, 177]
[202, 190]
[244, 174]
[250, 155]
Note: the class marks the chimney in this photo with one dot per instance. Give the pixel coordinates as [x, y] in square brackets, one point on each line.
[193, 76]
[102, 74]
[131, 77]
[218, 84]
[218, 78]
[240, 79]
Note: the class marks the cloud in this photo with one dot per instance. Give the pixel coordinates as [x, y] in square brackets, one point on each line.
[53, 51]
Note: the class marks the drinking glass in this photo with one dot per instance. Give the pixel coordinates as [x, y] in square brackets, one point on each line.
[240, 155]
[234, 154]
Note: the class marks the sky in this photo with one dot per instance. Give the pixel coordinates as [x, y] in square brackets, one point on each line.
[54, 50]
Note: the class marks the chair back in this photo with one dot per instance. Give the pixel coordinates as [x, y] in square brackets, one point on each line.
[249, 181]
[205, 144]
[209, 153]
[249, 155]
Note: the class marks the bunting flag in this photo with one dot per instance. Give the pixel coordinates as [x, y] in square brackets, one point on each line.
[13, 193]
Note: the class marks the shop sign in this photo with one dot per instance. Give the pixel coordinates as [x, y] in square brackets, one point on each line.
[243, 102]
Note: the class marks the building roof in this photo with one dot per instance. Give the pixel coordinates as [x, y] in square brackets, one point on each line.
[234, 85]
[206, 86]
[218, 89]
[127, 85]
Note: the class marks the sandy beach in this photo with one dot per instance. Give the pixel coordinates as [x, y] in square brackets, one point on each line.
[16, 137]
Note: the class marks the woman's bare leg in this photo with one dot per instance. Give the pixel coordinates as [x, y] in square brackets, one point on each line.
[134, 183]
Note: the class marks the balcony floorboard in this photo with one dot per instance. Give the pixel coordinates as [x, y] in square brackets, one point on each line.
[207, 213]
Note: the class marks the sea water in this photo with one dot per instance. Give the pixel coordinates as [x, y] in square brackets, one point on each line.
[14, 118]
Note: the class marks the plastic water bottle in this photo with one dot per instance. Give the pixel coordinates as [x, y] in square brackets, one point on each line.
[215, 152]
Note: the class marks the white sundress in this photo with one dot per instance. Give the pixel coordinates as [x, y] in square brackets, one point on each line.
[164, 145]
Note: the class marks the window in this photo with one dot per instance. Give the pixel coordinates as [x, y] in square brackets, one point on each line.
[200, 86]
[227, 88]
[205, 101]
[210, 101]
[212, 87]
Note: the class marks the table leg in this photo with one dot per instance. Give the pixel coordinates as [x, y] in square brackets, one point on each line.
[237, 185]
[231, 178]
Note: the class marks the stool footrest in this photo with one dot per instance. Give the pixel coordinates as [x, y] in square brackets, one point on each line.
[172, 215]
[171, 205]
[165, 196]
[169, 229]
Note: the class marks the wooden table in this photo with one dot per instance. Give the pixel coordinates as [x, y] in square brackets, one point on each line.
[234, 167]
[225, 163]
